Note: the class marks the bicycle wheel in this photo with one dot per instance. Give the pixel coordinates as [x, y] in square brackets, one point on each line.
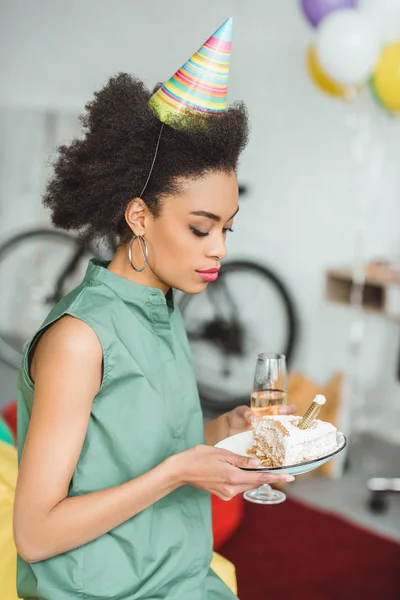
[246, 311]
[33, 272]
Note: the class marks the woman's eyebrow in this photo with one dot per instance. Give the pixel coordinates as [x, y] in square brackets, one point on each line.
[212, 216]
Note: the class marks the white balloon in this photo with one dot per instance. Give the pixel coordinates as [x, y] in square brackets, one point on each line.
[384, 16]
[347, 46]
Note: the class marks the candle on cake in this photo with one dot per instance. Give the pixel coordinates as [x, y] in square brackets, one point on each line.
[312, 412]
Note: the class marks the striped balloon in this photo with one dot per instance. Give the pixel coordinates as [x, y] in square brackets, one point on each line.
[200, 86]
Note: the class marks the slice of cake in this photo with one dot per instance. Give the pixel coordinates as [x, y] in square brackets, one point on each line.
[278, 440]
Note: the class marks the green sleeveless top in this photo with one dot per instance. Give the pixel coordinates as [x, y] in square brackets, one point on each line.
[147, 409]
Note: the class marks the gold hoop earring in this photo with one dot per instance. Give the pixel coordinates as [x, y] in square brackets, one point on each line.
[144, 249]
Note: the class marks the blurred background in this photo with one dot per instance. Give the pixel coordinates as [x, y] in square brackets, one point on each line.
[320, 211]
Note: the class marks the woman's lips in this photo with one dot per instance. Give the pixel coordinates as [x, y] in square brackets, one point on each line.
[209, 274]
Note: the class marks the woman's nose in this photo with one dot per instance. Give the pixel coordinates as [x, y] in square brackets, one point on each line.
[218, 250]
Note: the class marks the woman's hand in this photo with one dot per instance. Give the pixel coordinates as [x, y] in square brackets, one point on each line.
[239, 419]
[220, 472]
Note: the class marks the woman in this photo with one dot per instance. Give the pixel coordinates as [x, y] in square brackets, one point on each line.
[113, 493]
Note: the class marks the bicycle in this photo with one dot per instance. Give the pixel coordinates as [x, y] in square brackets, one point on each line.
[224, 331]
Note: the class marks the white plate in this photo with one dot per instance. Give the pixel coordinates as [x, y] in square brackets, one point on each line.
[241, 442]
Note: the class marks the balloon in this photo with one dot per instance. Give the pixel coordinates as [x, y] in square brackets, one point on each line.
[376, 97]
[347, 47]
[323, 81]
[384, 15]
[316, 10]
[386, 78]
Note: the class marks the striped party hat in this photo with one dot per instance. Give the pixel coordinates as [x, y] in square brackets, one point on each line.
[201, 85]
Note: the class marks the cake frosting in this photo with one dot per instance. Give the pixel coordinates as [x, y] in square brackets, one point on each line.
[278, 441]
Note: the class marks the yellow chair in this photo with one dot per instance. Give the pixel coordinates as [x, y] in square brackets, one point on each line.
[225, 571]
[8, 553]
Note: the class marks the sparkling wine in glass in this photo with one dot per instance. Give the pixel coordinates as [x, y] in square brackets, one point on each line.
[268, 394]
[267, 402]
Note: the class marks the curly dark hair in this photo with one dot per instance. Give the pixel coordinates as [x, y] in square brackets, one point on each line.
[97, 175]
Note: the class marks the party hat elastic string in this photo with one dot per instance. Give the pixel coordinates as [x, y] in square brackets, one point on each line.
[153, 162]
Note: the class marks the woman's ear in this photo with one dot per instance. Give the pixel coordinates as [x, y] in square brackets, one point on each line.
[135, 215]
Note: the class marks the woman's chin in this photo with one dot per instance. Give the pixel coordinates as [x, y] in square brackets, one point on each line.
[193, 288]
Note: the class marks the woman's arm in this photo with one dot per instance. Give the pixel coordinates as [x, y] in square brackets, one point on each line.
[67, 372]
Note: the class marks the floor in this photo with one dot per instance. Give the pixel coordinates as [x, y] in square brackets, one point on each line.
[347, 496]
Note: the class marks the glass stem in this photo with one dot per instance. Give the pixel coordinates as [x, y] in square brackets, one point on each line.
[265, 488]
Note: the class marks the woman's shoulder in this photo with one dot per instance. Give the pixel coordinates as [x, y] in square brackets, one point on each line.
[73, 333]
[87, 303]
[70, 341]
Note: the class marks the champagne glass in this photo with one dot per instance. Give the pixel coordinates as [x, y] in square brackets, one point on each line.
[268, 394]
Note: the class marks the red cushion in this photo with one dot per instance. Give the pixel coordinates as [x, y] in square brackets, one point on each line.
[226, 517]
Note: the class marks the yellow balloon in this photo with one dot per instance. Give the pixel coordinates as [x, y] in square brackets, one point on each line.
[386, 78]
[323, 81]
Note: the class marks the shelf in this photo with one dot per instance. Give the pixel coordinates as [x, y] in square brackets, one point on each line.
[381, 292]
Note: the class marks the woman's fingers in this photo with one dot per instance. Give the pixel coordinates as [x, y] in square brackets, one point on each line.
[255, 480]
[243, 462]
[258, 478]
[287, 409]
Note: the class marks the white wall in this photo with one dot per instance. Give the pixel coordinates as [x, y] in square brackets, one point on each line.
[302, 212]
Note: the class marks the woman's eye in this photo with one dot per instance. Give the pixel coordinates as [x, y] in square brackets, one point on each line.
[197, 232]
[204, 234]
